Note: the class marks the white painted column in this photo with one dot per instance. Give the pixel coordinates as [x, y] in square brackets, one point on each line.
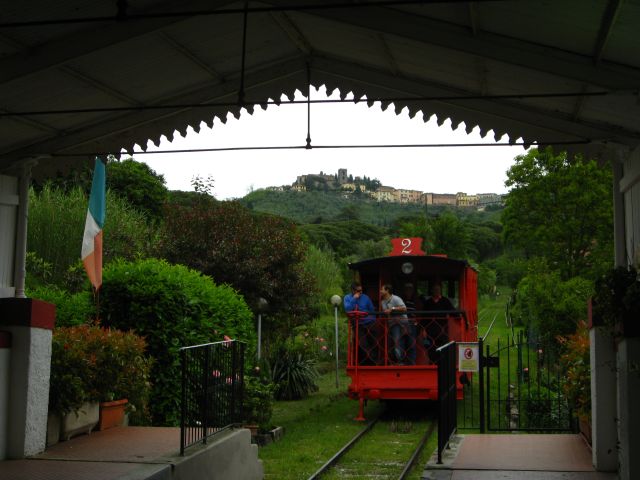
[603, 400]
[629, 414]
[20, 269]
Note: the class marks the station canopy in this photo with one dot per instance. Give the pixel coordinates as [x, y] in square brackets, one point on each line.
[82, 77]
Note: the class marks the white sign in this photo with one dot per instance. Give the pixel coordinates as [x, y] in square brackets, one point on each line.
[468, 357]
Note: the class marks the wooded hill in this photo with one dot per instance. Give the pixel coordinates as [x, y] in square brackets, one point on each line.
[322, 207]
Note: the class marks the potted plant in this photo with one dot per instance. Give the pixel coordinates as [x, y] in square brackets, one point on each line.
[123, 382]
[72, 394]
[577, 368]
[257, 402]
[90, 364]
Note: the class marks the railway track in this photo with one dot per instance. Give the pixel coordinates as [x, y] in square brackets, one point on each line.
[360, 436]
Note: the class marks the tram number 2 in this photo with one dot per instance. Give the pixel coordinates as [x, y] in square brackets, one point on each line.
[406, 246]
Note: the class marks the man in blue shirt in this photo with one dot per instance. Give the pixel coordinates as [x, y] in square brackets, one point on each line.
[359, 308]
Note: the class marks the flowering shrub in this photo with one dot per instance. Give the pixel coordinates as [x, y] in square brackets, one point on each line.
[90, 363]
[575, 362]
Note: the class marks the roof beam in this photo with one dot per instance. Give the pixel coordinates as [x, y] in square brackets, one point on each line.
[65, 49]
[488, 45]
[98, 85]
[112, 126]
[473, 18]
[555, 122]
[606, 26]
[192, 57]
[386, 53]
[293, 32]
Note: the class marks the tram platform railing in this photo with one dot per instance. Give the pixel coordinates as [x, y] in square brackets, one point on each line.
[412, 338]
[447, 403]
[212, 390]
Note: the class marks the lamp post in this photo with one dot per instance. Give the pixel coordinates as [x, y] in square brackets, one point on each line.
[336, 301]
[260, 307]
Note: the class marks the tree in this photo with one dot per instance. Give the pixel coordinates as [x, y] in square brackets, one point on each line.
[560, 209]
[449, 235]
[141, 186]
[259, 255]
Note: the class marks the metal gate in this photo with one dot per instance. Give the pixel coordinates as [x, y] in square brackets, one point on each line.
[524, 388]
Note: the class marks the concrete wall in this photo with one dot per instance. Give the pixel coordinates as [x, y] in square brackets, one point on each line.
[29, 394]
[628, 412]
[228, 455]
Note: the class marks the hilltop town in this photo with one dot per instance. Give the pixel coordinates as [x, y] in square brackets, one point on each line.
[348, 185]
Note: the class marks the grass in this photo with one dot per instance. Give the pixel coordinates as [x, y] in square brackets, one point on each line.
[314, 429]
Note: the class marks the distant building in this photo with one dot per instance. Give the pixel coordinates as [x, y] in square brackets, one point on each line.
[427, 198]
[402, 195]
[352, 187]
[342, 176]
[444, 199]
[485, 199]
[384, 194]
[464, 200]
[275, 189]
[299, 188]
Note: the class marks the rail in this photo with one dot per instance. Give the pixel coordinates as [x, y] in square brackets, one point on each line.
[212, 390]
[447, 408]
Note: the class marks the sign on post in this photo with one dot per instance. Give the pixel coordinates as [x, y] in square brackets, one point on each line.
[468, 357]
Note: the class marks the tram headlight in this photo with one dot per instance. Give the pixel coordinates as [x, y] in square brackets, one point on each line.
[407, 268]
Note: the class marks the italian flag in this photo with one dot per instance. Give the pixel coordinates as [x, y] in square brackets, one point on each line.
[92, 241]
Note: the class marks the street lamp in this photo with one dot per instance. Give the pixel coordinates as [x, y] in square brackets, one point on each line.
[336, 301]
[261, 307]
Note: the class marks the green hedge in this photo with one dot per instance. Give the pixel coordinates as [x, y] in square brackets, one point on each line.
[172, 306]
[71, 309]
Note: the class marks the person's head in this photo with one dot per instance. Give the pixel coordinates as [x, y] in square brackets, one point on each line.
[356, 288]
[386, 290]
[436, 289]
[409, 290]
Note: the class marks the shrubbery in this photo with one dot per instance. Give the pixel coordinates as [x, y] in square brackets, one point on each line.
[292, 366]
[259, 255]
[71, 309]
[548, 306]
[56, 226]
[89, 363]
[173, 307]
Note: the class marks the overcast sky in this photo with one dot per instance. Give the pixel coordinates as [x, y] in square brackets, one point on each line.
[440, 170]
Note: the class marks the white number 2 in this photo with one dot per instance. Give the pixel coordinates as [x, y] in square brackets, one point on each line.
[406, 245]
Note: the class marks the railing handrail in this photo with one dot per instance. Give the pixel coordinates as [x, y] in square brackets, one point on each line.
[212, 343]
[364, 313]
[445, 346]
[212, 381]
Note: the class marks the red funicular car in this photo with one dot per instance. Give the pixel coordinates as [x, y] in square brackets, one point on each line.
[395, 356]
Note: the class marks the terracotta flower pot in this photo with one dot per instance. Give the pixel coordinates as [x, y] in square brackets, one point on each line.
[112, 414]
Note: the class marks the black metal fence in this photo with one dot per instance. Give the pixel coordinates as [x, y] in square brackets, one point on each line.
[471, 408]
[448, 416]
[212, 390]
[525, 390]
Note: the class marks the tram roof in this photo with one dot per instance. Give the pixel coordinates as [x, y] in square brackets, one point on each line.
[435, 264]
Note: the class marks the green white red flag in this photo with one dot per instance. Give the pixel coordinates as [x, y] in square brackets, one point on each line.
[92, 241]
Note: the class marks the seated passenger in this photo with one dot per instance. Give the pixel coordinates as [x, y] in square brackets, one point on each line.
[434, 328]
[359, 309]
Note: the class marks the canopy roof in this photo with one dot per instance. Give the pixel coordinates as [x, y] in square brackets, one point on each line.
[75, 55]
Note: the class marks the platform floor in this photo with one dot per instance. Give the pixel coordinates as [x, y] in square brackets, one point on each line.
[516, 457]
[131, 452]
